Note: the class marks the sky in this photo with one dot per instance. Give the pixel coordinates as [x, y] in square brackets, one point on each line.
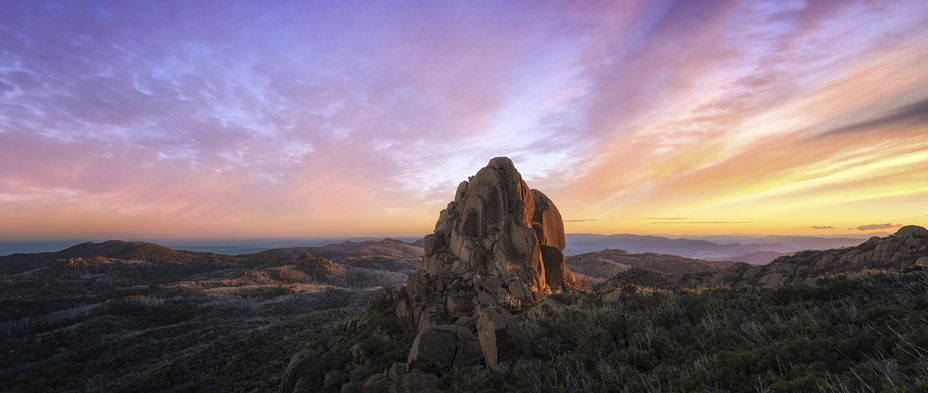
[175, 119]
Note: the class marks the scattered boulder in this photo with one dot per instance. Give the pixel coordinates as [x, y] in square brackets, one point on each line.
[397, 372]
[545, 306]
[331, 378]
[773, 280]
[299, 364]
[439, 348]
[377, 382]
[420, 381]
[501, 337]
[723, 276]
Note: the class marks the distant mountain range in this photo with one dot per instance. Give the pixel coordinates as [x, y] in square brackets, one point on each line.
[231, 246]
[116, 249]
[758, 251]
[903, 251]
[740, 248]
[346, 264]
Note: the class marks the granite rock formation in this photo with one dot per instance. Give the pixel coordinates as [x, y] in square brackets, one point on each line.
[499, 236]
[501, 338]
[439, 348]
[498, 242]
[496, 247]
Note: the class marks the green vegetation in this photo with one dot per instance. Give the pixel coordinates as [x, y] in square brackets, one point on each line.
[868, 333]
[137, 345]
[376, 343]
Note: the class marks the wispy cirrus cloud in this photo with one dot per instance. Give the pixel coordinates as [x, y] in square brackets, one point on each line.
[870, 227]
[822, 227]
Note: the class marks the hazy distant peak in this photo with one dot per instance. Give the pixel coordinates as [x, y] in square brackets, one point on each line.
[118, 249]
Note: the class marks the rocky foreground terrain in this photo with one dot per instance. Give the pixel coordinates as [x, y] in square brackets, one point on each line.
[494, 307]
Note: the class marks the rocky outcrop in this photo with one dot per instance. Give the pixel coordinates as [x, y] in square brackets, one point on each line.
[439, 348]
[497, 243]
[496, 227]
[501, 338]
[547, 223]
[545, 306]
[299, 364]
[496, 247]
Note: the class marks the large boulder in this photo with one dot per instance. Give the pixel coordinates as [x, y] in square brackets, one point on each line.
[912, 230]
[501, 337]
[549, 230]
[420, 382]
[554, 266]
[300, 363]
[439, 348]
[547, 222]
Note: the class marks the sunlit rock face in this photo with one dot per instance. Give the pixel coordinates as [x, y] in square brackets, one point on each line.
[496, 228]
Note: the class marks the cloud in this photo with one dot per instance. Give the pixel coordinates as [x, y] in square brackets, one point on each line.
[668, 219]
[581, 220]
[870, 227]
[911, 115]
[822, 227]
[705, 222]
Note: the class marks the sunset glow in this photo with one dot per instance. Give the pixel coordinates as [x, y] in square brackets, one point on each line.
[285, 119]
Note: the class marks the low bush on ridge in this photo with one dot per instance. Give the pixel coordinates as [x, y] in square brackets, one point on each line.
[868, 333]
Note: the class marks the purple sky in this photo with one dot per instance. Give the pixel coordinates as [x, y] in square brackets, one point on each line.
[173, 119]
